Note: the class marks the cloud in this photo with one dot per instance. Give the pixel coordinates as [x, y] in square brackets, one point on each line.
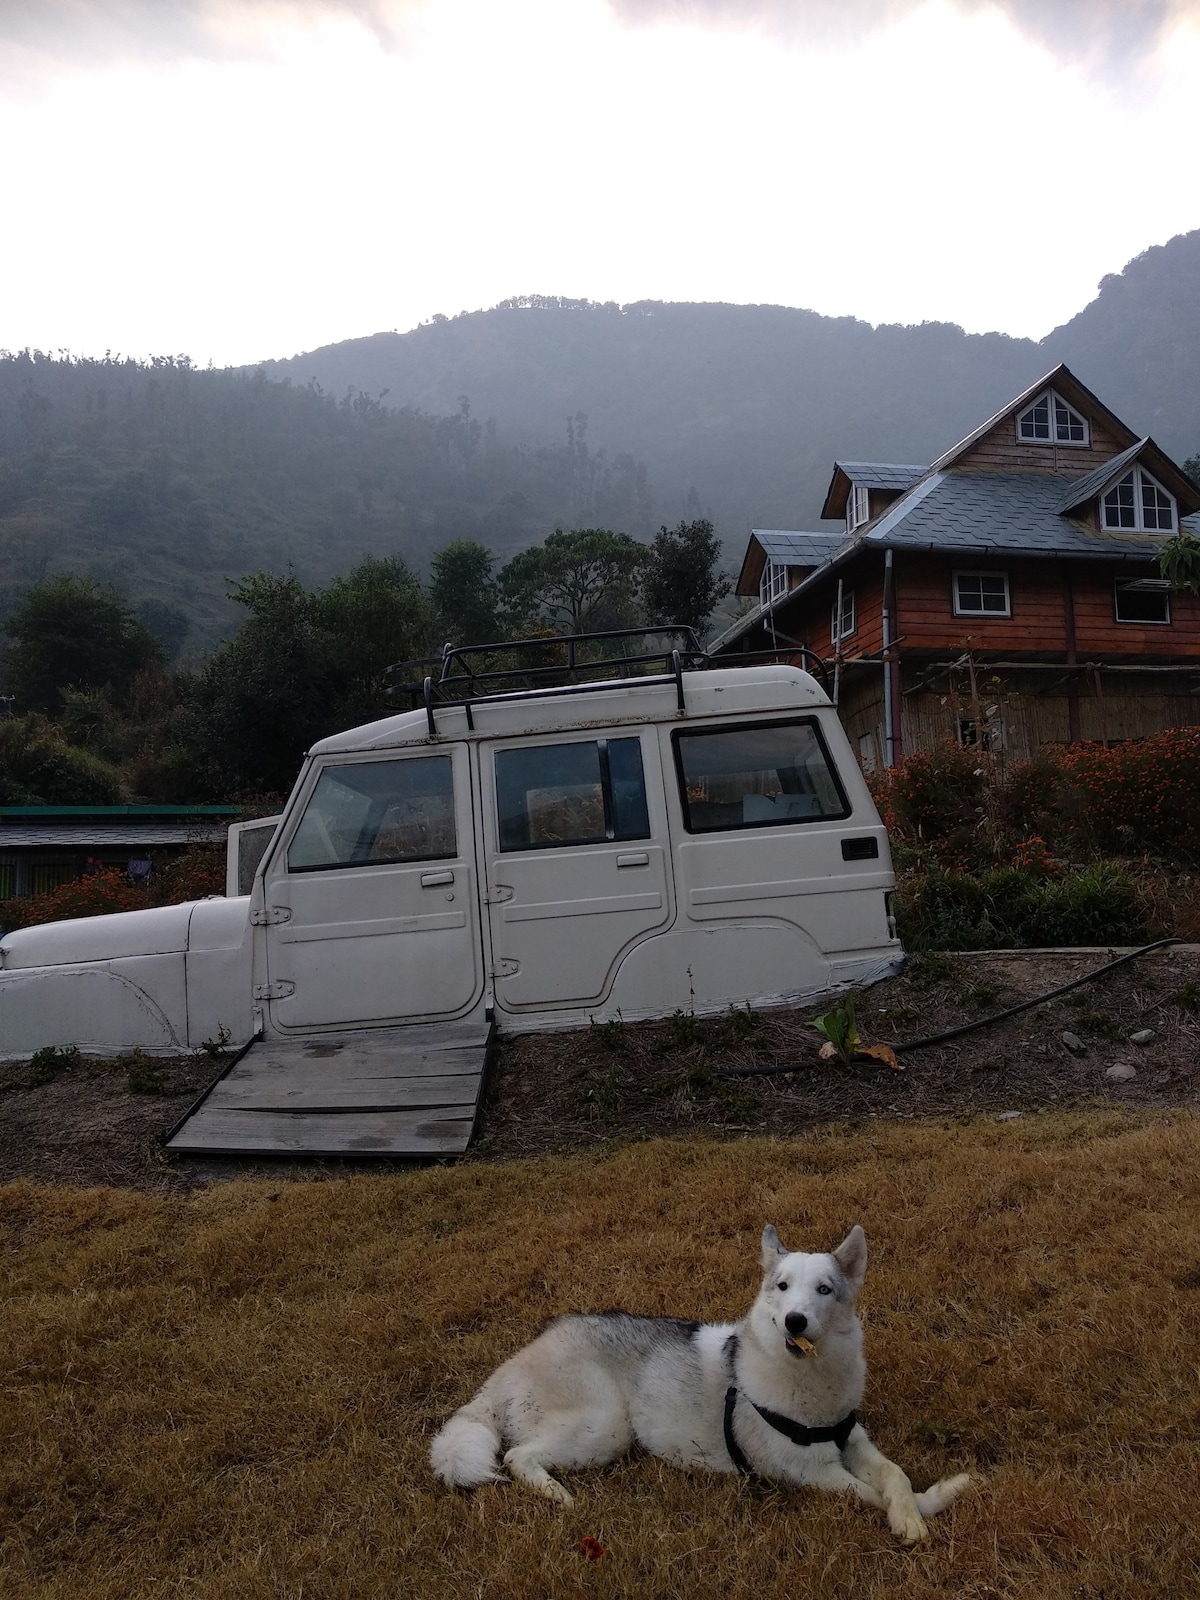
[37, 36]
[1107, 35]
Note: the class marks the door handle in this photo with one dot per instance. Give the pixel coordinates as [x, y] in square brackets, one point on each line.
[431, 880]
[635, 858]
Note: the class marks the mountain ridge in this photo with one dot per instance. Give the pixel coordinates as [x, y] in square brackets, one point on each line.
[718, 398]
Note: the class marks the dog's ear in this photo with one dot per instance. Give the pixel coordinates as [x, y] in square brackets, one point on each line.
[851, 1256]
[772, 1247]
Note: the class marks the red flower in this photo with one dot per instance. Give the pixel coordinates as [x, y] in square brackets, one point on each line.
[592, 1548]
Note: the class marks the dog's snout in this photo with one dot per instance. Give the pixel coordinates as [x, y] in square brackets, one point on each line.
[795, 1322]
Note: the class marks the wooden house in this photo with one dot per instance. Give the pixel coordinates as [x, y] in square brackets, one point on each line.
[1008, 596]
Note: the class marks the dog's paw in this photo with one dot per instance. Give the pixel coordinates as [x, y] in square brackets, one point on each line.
[907, 1523]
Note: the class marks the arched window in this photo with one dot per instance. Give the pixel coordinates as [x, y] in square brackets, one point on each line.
[1050, 420]
[1138, 502]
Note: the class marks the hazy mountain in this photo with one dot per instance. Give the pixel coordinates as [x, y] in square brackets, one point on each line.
[165, 481]
[749, 405]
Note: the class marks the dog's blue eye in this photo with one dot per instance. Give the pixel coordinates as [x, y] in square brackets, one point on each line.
[781, 1286]
[823, 1288]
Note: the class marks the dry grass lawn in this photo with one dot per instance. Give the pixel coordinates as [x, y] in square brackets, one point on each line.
[231, 1395]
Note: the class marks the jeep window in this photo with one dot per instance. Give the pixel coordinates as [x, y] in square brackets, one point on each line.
[564, 794]
[772, 775]
[377, 811]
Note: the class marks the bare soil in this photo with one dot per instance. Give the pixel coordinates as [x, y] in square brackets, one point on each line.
[102, 1122]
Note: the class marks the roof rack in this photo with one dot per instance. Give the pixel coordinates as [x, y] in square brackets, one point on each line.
[571, 663]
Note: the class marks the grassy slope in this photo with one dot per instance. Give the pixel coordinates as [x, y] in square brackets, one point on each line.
[231, 1396]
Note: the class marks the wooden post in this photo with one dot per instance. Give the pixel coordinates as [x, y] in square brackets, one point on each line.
[1074, 727]
[1100, 704]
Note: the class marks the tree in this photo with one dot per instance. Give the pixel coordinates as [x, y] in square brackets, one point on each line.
[69, 633]
[583, 581]
[463, 590]
[681, 583]
[304, 665]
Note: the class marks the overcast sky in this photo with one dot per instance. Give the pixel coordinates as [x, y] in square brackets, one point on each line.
[239, 179]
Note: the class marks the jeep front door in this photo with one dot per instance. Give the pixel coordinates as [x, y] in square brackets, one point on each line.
[370, 901]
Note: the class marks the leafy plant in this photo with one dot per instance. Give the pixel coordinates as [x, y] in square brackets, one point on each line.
[143, 1075]
[45, 1064]
[839, 1029]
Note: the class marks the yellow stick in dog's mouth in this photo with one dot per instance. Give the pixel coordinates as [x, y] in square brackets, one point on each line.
[805, 1346]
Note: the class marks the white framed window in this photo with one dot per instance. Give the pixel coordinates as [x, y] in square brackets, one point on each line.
[1144, 600]
[1050, 420]
[773, 584]
[981, 594]
[858, 507]
[841, 627]
[1138, 502]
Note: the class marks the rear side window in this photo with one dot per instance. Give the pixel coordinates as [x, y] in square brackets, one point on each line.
[564, 794]
[772, 775]
[377, 811]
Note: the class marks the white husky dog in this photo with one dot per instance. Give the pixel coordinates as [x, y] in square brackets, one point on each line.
[774, 1394]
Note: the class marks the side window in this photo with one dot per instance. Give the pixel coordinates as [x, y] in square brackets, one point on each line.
[772, 775]
[559, 794]
[377, 811]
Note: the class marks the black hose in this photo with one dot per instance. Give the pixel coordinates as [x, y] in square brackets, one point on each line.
[967, 1027]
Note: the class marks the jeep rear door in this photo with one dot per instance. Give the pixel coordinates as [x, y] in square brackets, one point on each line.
[576, 853]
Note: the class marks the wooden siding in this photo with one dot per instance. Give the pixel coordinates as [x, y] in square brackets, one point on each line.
[1037, 625]
[807, 619]
[1098, 633]
[999, 450]
[925, 606]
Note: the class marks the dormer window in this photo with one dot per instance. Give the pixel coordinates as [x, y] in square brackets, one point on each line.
[1050, 420]
[1138, 503]
[858, 507]
[773, 584]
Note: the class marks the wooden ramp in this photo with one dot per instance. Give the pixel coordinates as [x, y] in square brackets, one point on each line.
[376, 1092]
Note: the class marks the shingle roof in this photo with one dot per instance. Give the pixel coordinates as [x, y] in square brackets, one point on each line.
[61, 835]
[1092, 482]
[882, 474]
[1018, 512]
[797, 549]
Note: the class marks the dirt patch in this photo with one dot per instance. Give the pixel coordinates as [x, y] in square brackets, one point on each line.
[614, 1080]
[93, 1120]
[103, 1121]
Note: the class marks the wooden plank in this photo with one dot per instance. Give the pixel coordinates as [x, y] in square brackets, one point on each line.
[376, 1133]
[379, 1041]
[425, 1063]
[294, 1092]
[386, 1091]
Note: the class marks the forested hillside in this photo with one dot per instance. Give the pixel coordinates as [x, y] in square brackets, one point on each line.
[751, 404]
[164, 480]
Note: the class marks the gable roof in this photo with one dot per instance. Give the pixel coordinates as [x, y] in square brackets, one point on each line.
[1164, 469]
[891, 475]
[1066, 384]
[788, 549]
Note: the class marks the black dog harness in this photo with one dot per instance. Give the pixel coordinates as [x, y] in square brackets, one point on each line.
[795, 1431]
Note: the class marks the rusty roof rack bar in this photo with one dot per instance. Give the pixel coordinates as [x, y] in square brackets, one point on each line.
[468, 677]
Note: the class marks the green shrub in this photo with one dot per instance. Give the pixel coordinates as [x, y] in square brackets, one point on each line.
[39, 768]
[1014, 908]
